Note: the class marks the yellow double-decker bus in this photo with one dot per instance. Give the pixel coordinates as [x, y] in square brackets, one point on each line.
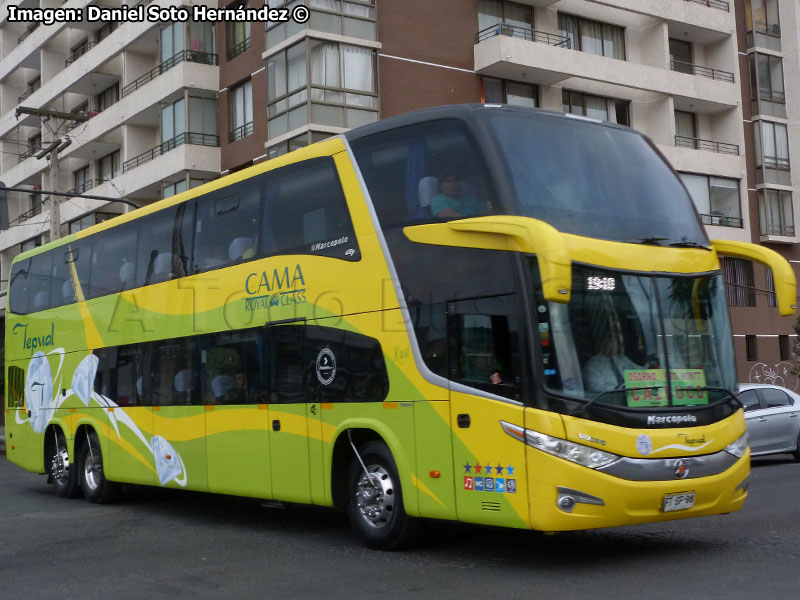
[477, 313]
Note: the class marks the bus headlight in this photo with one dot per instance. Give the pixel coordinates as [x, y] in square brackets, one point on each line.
[739, 447]
[577, 453]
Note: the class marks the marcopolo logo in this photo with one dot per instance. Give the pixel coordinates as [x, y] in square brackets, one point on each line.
[279, 287]
[35, 342]
[670, 419]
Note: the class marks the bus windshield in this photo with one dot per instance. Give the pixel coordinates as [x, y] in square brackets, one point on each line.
[638, 341]
[593, 180]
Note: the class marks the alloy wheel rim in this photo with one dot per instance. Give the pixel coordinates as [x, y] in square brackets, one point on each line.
[375, 497]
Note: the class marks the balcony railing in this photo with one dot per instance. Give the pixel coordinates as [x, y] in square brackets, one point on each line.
[523, 33]
[79, 189]
[722, 221]
[713, 4]
[770, 228]
[32, 88]
[241, 132]
[79, 51]
[711, 146]
[32, 212]
[29, 151]
[195, 56]
[774, 162]
[236, 50]
[194, 139]
[31, 28]
[684, 67]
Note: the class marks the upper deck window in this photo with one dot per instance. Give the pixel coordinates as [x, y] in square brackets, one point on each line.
[593, 180]
[424, 172]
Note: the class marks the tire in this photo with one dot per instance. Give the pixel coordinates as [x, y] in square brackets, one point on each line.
[62, 472]
[796, 453]
[96, 488]
[375, 504]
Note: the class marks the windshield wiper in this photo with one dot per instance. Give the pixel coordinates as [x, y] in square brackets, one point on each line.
[688, 245]
[582, 411]
[652, 240]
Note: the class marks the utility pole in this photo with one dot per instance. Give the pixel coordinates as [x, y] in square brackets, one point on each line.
[55, 201]
[53, 149]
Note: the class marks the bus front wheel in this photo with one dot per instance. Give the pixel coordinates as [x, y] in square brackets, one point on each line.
[63, 472]
[96, 488]
[375, 500]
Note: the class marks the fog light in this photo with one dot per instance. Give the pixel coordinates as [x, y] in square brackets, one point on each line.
[566, 503]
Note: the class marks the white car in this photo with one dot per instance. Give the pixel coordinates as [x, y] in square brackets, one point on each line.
[773, 418]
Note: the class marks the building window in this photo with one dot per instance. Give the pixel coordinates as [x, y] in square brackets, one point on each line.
[170, 189]
[351, 18]
[737, 274]
[517, 18]
[593, 37]
[685, 129]
[299, 141]
[173, 121]
[715, 198]
[783, 347]
[680, 56]
[171, 40]
[762, 17]
[775, 212]
[596, 107]
[342, 90]
[106, 30]
[201, 38]
[31, 243]
[80, 179]
[107, 97]
[109, 166]
[772, 153]
[750, 347]
[501, 91]
[772, 299]
[241, 111]
[88, 220]
[238, 34]
[766, 81]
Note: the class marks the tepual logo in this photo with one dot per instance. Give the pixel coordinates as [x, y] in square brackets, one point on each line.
[35, 342]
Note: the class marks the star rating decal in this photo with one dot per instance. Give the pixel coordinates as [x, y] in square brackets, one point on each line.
[487, 478]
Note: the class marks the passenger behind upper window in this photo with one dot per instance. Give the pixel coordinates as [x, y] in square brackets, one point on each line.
[454, 200]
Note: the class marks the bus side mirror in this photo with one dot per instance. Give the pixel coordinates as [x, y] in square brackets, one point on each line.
[782, 272]
[510, 233]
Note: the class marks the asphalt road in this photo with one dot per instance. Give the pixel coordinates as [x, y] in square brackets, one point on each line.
[165, 544]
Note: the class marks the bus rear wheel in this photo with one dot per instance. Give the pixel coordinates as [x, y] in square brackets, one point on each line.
[96, 488]
[375, 500]
[63, 473]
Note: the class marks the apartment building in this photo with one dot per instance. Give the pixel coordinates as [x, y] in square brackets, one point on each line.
[173, 105]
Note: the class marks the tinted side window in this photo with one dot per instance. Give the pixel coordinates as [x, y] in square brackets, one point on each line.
[749, 400]
[129, 376]
[774, 397]
[165, 244]
[285, 363]
[169, 375]
[18, 288]
[112, 267]
[226, 229]
[408, 171]
[105, 378]
[62, 290]
[231, 369]
[306, 213]
[39, 278]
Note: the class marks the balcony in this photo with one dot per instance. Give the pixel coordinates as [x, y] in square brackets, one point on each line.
[722, 221]
[522, 33]
[241, 132]
[708, 145]
[191, 138]
[194, 56]
[31, 28]
[236, 50]
[78, 52]
[81, 188]
[713, 4]
[516, 58]
[690, 69]
[31, 89]
[29, 151]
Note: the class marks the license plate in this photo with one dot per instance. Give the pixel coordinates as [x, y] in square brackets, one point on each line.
[678, 501]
